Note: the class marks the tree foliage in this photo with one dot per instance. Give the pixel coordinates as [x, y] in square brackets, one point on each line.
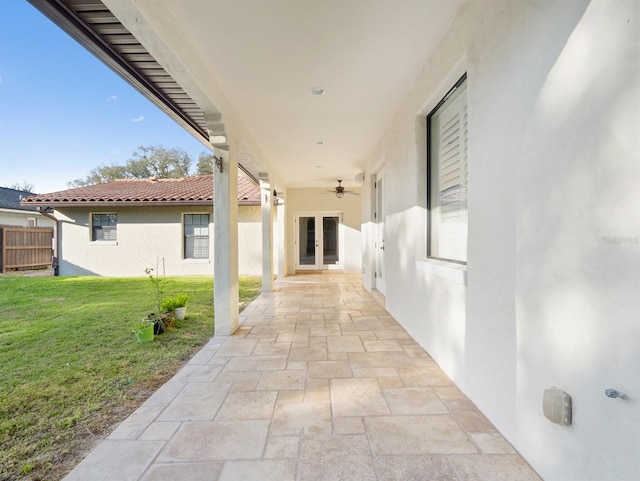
[205, 164]
[153, 161]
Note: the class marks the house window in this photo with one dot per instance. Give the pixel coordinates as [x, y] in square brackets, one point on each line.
[104, 227]
[31, 222]
[196, 236]
[447, 135]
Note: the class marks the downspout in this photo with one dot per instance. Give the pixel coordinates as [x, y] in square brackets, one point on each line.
[56, 245]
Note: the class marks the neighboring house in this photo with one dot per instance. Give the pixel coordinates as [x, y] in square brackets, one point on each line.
[120, 228]
[12, 212]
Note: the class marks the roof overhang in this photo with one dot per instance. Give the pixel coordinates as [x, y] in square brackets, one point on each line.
[93, 25]
[19, 211]
[241, 73]
[76, 205]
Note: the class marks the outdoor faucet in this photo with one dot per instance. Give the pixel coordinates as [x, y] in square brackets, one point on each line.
[613, 393]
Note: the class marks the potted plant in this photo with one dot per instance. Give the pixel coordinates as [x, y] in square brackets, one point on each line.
[160, 322]
[176, 305]
[143, 331]
[158, 317]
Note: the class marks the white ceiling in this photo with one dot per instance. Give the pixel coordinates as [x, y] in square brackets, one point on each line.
[266, 55]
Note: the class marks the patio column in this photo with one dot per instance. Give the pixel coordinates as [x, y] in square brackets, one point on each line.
[225, 247]
[266, 203]
[281, 270]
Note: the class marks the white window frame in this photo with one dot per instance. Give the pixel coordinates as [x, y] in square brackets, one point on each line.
[447, 240]
[184, 237]
[92, 235]
[319, 258]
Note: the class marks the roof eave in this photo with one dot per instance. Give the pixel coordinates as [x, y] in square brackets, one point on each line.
[19, 210]
[62, 13]
[69, 21]
[79, 204]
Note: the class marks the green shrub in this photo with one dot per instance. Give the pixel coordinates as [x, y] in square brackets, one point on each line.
[169, 304]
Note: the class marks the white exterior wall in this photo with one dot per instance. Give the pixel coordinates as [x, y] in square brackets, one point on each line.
[553, 274]
[21, 218]
[320, 201]
[249, 240]
[147, 235]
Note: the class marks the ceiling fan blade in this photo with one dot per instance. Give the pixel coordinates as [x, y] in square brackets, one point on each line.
[351, 192]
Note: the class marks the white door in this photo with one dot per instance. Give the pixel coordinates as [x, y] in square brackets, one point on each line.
[379, 242]
[318, 241]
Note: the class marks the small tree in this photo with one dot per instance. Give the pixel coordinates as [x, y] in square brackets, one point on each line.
[24, 185]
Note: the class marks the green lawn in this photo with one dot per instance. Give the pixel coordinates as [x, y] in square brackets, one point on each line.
[70, 366]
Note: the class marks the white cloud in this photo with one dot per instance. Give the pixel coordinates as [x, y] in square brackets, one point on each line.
[111, 97]
[138, 119]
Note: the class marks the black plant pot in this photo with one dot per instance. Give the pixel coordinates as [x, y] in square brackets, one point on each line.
[158, 328]
[158, 325]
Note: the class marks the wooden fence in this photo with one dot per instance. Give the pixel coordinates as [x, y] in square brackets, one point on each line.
[25, 247]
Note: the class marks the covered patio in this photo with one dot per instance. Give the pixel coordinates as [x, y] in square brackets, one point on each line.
[318, 383]
[488, 152]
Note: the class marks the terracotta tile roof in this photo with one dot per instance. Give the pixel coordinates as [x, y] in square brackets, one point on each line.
[186, 190]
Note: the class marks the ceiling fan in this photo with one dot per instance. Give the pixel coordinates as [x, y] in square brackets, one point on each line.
[340, 190]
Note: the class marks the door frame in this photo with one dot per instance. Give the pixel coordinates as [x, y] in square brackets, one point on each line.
[380, 272]
[320, 244]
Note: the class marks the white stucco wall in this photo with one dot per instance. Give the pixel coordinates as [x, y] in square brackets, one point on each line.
[147, 236]
[21, 218]
[553, 273]
[320, 201]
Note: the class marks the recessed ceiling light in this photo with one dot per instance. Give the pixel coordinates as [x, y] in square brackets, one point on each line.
[317, 91]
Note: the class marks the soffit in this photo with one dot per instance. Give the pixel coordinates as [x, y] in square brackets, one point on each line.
[91, 22]
[267, 55]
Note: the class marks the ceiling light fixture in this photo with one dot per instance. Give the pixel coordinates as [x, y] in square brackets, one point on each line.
[320, 142]
[317, 91]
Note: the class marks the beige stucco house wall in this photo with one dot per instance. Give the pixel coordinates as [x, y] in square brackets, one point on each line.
[148, 236]
[320, 201]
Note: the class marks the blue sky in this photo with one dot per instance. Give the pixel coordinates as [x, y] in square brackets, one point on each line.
[63, 112]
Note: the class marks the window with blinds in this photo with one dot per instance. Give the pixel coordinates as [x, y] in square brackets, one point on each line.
[196, 236]
[447, 139]
[104, 227]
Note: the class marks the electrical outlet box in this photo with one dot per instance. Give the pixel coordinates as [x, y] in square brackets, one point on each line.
[556, 406]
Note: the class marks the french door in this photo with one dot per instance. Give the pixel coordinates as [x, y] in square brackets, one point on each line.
[318, 241]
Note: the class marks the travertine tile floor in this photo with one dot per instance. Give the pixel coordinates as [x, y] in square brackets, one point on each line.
[319, 383]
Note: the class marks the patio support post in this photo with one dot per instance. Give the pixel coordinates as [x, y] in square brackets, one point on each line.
[225, 256]
[266, 203]
[280, 237]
